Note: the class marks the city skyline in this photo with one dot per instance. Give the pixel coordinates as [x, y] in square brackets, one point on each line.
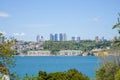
[25, 19]
[63, 37]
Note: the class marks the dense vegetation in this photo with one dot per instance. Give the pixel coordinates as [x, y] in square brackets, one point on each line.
[84, 45]
[110, 70]
[6, 56]
[71, 74]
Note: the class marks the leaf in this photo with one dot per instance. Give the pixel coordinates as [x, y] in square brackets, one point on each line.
[119, 31]
[116, 26]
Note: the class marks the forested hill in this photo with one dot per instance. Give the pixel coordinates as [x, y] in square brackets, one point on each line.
[84, 45]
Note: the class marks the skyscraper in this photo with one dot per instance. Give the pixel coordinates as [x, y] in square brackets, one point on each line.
[73, 38]
[65, 37]
[56, 37]
[61, 37]
[78, 38]
[51, 37]
[38, 38]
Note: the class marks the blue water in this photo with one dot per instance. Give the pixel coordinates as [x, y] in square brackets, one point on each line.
[31, 65]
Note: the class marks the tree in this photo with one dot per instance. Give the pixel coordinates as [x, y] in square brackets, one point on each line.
[27, 77]
[117, 25]
[117, 76]
[107, 71]
[71, 74]
[111, 64]
[6, 56]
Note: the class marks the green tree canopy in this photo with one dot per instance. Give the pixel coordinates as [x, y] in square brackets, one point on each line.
[6, 55]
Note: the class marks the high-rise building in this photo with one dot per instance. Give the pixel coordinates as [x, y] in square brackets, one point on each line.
[38, 38]
[56, 37]
[51, 37]
[73, 38]
[41, 38]
[61, 37]
[103, 39]
[78, 38]
[65, 37]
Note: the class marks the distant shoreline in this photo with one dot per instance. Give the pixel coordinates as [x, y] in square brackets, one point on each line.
[41, 56]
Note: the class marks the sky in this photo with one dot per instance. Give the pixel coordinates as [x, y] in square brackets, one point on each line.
[25, 19]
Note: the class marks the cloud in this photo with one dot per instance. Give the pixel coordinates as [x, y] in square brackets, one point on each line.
[95, 19]
[4, 15]
[19, 34]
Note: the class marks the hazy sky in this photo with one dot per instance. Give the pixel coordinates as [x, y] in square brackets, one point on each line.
[25, 19]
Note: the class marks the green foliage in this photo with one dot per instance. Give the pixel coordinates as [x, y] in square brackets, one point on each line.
[27, 77]
[85, 45]
[117, 25]
[14, 76]
[107, 71]
[71, 74]
[56, 76]
[117, 76]
[42, 75]
[7, 59]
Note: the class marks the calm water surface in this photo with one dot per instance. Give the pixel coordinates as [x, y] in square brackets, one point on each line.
[31, 64]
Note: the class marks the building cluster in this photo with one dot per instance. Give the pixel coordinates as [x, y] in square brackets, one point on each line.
[58, 37]
[59, 53]
[63, 37]
[75, 38]
[22, 47]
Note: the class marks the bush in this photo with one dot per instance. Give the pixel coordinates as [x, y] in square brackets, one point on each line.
[117, 76]
[107, 71]
[71, 74]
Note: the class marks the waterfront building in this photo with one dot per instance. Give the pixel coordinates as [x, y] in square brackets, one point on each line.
[38, 53]
[70, 53]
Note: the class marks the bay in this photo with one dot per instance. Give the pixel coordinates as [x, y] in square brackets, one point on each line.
[33, 64]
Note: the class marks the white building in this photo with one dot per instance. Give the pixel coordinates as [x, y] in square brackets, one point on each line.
[70, 53]
[38, 53]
